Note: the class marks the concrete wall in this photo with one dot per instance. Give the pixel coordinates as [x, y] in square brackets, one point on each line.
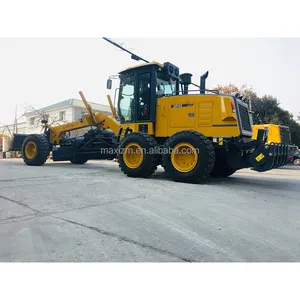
[78, 113]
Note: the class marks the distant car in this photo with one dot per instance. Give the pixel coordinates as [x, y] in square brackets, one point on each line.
[296, 158]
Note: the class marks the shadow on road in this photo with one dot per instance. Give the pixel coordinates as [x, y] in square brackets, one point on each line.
[259, 181]
[290, 167]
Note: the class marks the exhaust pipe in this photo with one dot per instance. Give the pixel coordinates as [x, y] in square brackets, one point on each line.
[202, 82]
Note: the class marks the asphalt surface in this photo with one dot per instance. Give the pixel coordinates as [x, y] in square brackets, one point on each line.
[63, 212]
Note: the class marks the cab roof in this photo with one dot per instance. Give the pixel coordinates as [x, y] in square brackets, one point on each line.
[141, 66]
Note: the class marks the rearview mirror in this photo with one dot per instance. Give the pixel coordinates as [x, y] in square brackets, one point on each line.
[109, 84]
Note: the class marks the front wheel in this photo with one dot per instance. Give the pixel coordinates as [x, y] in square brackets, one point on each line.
[137, 155]
[35, 150]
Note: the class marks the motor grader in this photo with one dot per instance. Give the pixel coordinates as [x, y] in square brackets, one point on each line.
[161, 118]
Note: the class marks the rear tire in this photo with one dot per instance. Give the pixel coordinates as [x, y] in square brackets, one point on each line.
[137, 155]
[35, 150]
[186, 166]
[221, 168]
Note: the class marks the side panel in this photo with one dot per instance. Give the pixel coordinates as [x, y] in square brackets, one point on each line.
[212, 115]
[273, 134]
[183, 115]
[255, 129]
[162, 116]
[205, 113]
[146, 127]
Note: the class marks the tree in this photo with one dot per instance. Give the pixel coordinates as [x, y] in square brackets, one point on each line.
[229, 89]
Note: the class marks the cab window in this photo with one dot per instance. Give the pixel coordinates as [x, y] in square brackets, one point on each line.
[126, 98]
[144, 97]
[165, 86]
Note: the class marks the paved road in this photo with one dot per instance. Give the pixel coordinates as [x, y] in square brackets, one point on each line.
[64, 212]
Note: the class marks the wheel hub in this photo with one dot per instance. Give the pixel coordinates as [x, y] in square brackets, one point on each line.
[133, 155]
[30, 150]
[184, 157]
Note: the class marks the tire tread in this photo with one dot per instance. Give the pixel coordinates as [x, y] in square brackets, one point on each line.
[195, 178]
[154, 157]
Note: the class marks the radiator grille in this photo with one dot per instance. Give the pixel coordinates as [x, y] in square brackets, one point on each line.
[245, 119]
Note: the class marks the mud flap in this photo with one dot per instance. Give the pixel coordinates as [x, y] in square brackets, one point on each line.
[267, 157]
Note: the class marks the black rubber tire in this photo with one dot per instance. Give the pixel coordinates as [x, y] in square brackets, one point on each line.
[78, 161]
[205, 162]
[296, 161]
[221, 168]
[151, 155]
[43, 150]
[222, 171]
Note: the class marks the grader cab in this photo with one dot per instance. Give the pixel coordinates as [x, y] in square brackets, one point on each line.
[162, 118]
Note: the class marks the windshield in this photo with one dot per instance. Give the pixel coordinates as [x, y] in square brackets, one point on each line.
[126, 97]
[165, 86]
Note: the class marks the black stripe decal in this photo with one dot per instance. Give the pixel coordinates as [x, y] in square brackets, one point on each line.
[181, 105]
[224, 125]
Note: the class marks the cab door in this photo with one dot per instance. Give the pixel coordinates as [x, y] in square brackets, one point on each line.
[145, 100]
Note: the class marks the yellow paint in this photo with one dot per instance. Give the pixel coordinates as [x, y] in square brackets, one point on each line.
[184, 157]
[259, 157]
[273, 132]
[227, 113]
[88, 107]
[133, 155]
[208, 110]
[212, 115]
[30, 150]
[205, 113]
[183, 116]
[98, 119]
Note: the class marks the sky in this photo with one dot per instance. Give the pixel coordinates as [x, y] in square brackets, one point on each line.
[43, 71]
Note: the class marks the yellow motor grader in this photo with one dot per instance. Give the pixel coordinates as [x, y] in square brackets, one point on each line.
[161, 118]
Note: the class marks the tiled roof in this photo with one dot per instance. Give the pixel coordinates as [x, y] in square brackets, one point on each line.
[58, 105]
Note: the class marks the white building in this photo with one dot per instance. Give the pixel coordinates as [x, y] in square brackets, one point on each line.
[59, 113]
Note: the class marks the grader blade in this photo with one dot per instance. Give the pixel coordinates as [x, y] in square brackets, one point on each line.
[268, 157]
